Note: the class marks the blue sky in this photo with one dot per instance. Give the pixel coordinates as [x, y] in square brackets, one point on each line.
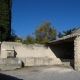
[27, 15]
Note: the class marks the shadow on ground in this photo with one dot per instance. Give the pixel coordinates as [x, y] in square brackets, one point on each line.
[7, 77]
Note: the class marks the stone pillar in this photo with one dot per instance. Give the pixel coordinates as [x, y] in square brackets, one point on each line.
[77, 53]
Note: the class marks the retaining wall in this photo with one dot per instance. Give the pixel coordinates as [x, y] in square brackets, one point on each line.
[31, 55]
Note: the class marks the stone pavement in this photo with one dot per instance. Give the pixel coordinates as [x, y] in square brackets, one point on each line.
[52, 76]
[44, 73]
[39, 69]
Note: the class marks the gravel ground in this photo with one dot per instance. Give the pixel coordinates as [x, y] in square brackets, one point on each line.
[41, 73]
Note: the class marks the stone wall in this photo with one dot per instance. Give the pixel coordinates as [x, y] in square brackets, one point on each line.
[40, 61]
[77, 53]
[36, 54]
[10, 63]
[31, 55]
[23, 50]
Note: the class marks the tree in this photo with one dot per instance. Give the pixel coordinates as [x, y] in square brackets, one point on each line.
[67, 32]
[29, 40]
[18, 39]
[60, 35]
[5, 18]
[45, 33]
[2, 30]
[13, 36]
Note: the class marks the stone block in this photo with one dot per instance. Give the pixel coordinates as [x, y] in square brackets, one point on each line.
[10, 63]
[39, 61]
[10, 53]
[29, 62]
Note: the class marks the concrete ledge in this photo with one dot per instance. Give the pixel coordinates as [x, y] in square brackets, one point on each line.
[40, 61]
[10, 63]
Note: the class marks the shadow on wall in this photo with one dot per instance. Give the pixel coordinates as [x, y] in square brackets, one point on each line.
[15, 53]
[63, 50]
[58, 50]
[7, 77]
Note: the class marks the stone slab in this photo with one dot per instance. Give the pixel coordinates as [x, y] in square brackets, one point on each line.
[10, 63]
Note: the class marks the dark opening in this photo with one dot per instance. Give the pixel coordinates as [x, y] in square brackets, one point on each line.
[64, 51]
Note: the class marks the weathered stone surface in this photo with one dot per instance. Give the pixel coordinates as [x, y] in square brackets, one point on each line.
[10, 63]
[77, 53]
[41, 61]
[40, 54]
[10, 53]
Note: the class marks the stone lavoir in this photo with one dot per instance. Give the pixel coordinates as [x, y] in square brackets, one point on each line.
[64, 51]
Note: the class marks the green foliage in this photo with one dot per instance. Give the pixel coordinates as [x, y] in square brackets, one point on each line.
[60, 35]
[2, 30]
[13, 36]
[45, 33]
[5, 18]
[67, 32]
[29, 40]
[18, 39]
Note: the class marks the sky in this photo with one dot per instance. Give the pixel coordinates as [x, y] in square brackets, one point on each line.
[27, 15]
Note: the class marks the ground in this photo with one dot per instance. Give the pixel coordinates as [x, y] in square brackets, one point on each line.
[41, 73]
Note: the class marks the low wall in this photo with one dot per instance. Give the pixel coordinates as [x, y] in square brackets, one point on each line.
[31, 55]
[10, 63]
[23, 50]
[30, 61]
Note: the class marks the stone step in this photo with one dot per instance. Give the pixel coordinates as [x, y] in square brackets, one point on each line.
[10, 63]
